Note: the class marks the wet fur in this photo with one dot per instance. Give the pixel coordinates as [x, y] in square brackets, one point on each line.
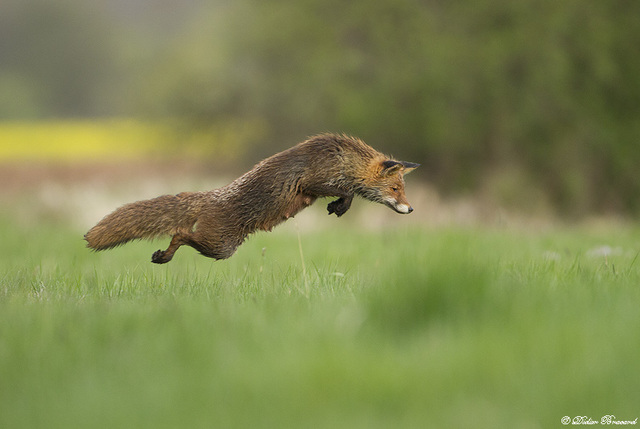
[216, 222]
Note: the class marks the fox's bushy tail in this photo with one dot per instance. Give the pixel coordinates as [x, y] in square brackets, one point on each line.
[147, 219]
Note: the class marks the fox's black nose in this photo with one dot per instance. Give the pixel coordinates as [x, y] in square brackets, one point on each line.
[410, 209]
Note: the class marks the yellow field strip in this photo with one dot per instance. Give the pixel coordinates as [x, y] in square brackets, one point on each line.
[77, 140]
[118, 139]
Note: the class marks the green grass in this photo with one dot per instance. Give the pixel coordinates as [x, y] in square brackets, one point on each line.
[404, 327]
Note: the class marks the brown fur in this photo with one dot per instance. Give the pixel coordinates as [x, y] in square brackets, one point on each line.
[216, 222]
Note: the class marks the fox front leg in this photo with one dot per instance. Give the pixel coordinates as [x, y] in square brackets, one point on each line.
[340, 206]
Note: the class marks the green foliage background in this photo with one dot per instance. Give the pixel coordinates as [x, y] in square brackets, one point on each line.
[520, 99]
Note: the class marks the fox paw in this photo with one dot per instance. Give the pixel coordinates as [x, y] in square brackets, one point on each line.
[159, 257]
[339, 207]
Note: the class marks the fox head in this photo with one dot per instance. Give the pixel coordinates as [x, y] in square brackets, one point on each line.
[386, 186]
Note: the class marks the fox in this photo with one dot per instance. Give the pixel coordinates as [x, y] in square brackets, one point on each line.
[217, 222]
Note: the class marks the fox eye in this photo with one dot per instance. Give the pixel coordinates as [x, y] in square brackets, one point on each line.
[394, 189]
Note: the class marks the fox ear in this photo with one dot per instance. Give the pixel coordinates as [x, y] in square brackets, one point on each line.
[409, 166]
[390, 167]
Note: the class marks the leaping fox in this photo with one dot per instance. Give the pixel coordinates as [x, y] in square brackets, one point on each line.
[216, 222]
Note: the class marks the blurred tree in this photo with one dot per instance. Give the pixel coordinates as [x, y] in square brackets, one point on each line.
[545, 88]
[538, 91]
[56, 60]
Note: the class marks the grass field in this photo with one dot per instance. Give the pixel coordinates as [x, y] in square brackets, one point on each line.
[404, 327]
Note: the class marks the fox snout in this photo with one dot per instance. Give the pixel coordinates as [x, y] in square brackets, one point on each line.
[402, 208]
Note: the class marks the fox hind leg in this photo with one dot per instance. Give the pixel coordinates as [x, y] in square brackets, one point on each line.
[164, 256]
[211, 246]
